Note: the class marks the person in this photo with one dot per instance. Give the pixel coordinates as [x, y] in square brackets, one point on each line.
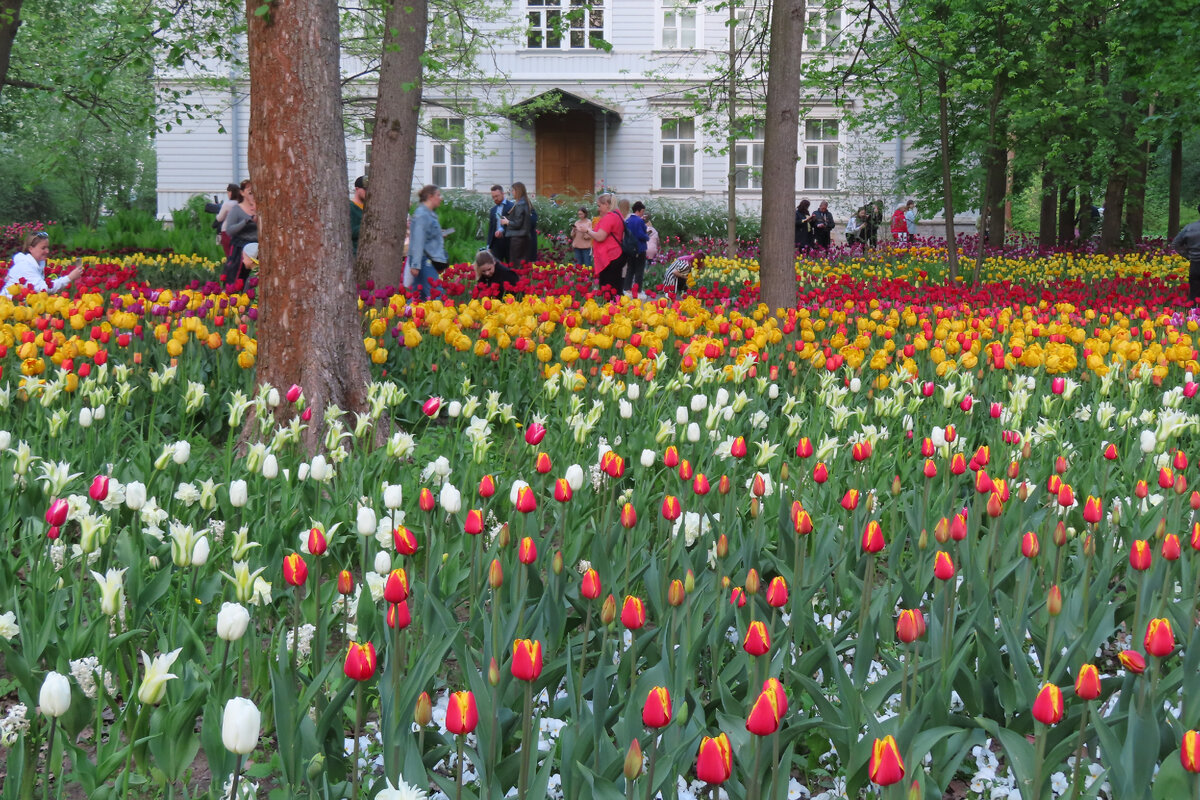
[496, 242]
[242, 225]
[606, 235]
[581, 241]
[635, 273]
[1187, 244]
[803, 226]
[28, 268]
[517, 225]
[356, 210]
[875, 218]
[426, 248]
[233, 196]
[652, 244]
[677, 273]
[822, 225]
[250, 256]
[856, 228]
[490, 273]
[910, 218]
[1087, 221]
[900, 223]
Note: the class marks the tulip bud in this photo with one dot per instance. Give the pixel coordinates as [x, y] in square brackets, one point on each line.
[722, 546]
[923, 540]
[496, 574]
[423, 712]
[783, 472]
[505, 536]
[1060, 534]
[633, 761]
[608, 611]
[493, 673]
[54, 698]
[345, 583]
[689, 582]
[675, 593]
[556, 563]
[752, 581]
[1054, 601]
[240, 726]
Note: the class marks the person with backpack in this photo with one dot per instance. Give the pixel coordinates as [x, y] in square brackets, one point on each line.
[608, 256]
[635, 227]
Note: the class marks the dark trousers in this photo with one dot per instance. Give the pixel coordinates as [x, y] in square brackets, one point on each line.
[610, 276]
[1194, 281]
[636, 273]
[499, 248]
[518, 249]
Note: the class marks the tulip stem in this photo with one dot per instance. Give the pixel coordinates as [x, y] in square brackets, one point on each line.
[1078, 774]
[459, 770]
[49, 757]
[360, 712]
[650, 769]
[587, 621]
[237, 777]
[1038, 761]
[526, 736]
[754, 780]
[868, 580]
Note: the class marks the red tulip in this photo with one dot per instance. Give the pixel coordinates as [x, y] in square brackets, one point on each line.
[1180, 461]
[758, 485]
[724, 485]
[671, 508]
[983, 484]
[542, 464]
[1029, 545]
[1189, 751]
[777, 592]
[1066, 495]
[738, 448]
[430, 407]
[886, 766]
[958, 464]
[487, 488]
[1140, 555]
[910, 626]
[872, 538]
[526, 501]
[930, 469]
[395, 589]
[714, 762]
[1133, 661]
[345, 582]
[398, 616]
[295, 571]
[758, 640]
[527, 551]
[473, 524]
[293, 394]
[426, 500]
[360, 661]
[803, 523]
[1093, 510]
[1087, 685]
[1159, 640]
[461, 715]
[628, 516]
[317, 543]
[804, 449]
[1048, 706]
[850, 499]
[700, 484]
[737, 597]
[1110, 452]
[685, 470]
[775, 687]
[99, 488]
[590, 587]
[820, 472]
[562, 490]
[943, 567]
[861, 451]
[535, 433]
[496, 574]
[405, 541]
[656, 713]
[763, 719]
[1140, 490]
[671, 457]
[56, 514]
[1166, 478]
[633, 613]
[1170, 547]
[527, 660]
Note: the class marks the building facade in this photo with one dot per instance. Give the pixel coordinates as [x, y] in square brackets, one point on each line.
[577, 98]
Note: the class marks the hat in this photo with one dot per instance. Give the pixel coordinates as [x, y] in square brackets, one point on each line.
[360, 182]
[250, 251]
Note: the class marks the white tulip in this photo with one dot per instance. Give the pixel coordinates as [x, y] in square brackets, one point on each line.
[393, 496]
[135, 495]
[625, 408]
[722, 397]
[648, 458]
[634, 391]
[454, 409]
[450, 499]
[320, 469]
[773, 390]
[98, 413]
[693, 432]
[383, 562]
[240, 725]
[238, 493]
[574, 477]
[699, 403]
[232, 621]
[1148, 441]
[55, 697]
[270, 467]
[855, 384]
[85, 418]
[681, 415]
[273, 397]
[200, 552]
[182, 452]
[366, 521]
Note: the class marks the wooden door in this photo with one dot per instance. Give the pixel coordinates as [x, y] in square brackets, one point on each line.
[566, 154]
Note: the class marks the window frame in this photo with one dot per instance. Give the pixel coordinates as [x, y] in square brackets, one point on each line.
[830, 25]
[821, 144]
[660, 142]
[562, 8]
[753, 172]
[434, 142]
[667, 6]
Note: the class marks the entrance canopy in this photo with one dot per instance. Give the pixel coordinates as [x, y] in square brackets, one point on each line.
[558, 101]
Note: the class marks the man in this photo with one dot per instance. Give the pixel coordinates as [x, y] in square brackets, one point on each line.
[496, 242]
[356, 210]
[1187, 244]
[635, 274]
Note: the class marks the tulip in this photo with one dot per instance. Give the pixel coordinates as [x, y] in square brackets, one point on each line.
[758, 640]
[430, 407]
[154, 685]
[860, 451]
[886, 767]
[633, 613]
[803, 523]
[758, 485]
[737, 597]
[1110, 452]
[1170, 547]
[238, 493]
[366, 522]
[542, 463]
[676, 593]
[240, 726]
[671, 508]
[910, 625]
[943, 567]
[295, 571]
[1159, 640]
[714, 762]
[1054, 601]
[360, 661]
[738, 448]
[958, 464]
[527, 551]
[473, 525]
[1029, 545]
[850, 499]
[56, 514]
[1189, 751]
[1093, 510]
[764, 716]
[777, 592]
[383, 563]
[820, 472]
[1140, 555]
[405, 541]
[535, 433]
[632, 766]
[804, 448]
[398, 616]
[700, 485]
[930, 471]
[1133, 661]
[872, 538]
[656, 713]
[54, 698]
[99, 488]
[345, 582]
[562, 490]
[423, 711]
[1087, 684]
[425, 500]
[293, 393]
[590, 586]
[527, 660]
[526, 501]
[317, 543]
[685, 470]
[232, 621]
[1048, 705]
[395, 589]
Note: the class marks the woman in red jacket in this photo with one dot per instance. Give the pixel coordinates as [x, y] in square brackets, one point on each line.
[899, 223]
[606, 235]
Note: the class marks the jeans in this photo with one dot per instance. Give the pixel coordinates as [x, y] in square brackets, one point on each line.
[424, 281]
[583, 255]
[636, 274]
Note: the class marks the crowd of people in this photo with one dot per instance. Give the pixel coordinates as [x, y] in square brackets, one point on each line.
[814, 229]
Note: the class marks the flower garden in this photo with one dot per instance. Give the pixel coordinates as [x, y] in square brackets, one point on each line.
[909, 539]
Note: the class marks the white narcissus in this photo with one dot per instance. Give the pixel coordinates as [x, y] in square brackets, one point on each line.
[55, 696]
[240, 726]
[403, 791]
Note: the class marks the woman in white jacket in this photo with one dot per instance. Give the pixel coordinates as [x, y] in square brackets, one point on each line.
[28, 269]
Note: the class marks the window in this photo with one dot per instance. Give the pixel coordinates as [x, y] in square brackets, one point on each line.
[564, 24]
[750, 27]
[824, 24]
[368, 136]
[821, 154]
[678, 170]
[678, 26]
[449, 162]
[748, 157]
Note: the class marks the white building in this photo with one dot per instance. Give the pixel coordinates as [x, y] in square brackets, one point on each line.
[623, 121]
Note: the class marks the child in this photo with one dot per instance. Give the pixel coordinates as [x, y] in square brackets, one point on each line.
[581, 238]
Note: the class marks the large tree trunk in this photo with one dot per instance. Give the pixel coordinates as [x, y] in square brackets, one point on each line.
[10, 20]
[1119, 178]
[997, 169]
[1048, 213]
[393, 145]
[308, 324]
[1066, 216]
[1175, 184]
[1135, 204]
[777, 253]
[947, 190]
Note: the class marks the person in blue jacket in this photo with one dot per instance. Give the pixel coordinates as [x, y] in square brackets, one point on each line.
[635, 274]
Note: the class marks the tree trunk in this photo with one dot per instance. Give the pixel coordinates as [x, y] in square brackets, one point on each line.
[777, 252]
[1135, 206]
[1047, 217]
[997, 170]
[1175, 184]
[393, 145]
[731, 142]
[1066, 216]
[10, 20]
[308, 324]
[947, 193]
[1119, 178]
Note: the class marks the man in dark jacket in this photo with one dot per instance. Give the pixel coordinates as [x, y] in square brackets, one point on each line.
[495, 232]
[1187, 244]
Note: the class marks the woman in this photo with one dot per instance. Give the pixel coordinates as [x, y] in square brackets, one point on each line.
[426, 247]
[580, 241]
[606, 235]
[803, 229]
[822, 225]
[28, 268]
[241, 223]
[900, 223]
[233, 196]
[518, 224]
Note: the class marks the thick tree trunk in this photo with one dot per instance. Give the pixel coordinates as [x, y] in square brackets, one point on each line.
[393, 145]
[10, 20]
[308, 325]
[997, 161]
[1048, 213]
[1119, 178]
[947, 187]
[777, 254]
[1066, 216]
[1135, 203]
[1175, 184]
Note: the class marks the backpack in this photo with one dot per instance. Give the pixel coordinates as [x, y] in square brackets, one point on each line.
[629, 247]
